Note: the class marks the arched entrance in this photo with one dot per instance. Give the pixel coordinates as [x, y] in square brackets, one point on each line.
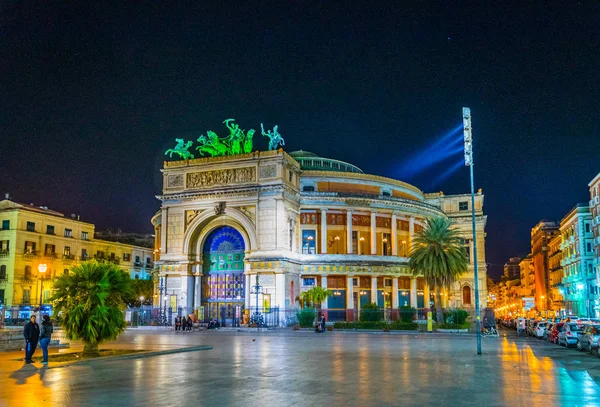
[223, 274]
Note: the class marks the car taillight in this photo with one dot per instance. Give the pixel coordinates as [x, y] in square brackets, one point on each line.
[569, 333]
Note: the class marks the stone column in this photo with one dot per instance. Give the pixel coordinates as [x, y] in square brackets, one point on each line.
[324, 231]
[394, 235]
[163, 227]
[349, 232]
[373, 232]
[413, 292]
[445, 298]
[247, 290]
[198, 289]
[324, 303]
[374, 298]
[426, 300]
[394, 298]
[280, 294]
[349, 300]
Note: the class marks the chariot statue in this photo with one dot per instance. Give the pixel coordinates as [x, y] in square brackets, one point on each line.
[275, 139]
[181, 149]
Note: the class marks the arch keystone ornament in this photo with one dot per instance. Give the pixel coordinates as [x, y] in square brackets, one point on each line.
[220, 208]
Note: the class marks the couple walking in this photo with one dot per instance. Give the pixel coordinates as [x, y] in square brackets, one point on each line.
[33, 333]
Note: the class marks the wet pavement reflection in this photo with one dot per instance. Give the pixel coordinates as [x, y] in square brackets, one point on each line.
[303, 368]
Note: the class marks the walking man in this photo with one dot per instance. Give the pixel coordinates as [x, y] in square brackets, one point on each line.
[31, 334]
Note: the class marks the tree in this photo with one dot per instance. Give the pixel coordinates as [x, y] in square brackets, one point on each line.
[437, 254]
[91, 300]
[139, 289]
[315, 296]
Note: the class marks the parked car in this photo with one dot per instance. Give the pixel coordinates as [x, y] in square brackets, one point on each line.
[588, 339]
[569, 334]
[553, 335]
[540, 328]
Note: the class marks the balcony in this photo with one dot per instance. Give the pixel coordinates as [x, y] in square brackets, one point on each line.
[50, 255]
[29, 254]
[26, 280]
[68, 257]
[85, 258]
[4, 253]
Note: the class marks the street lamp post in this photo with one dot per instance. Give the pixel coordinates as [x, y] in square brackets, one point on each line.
[256, 316]
[42, 269]
[337, 240]
[468, 138]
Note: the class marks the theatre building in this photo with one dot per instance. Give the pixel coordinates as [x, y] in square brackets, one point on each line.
[298, 220]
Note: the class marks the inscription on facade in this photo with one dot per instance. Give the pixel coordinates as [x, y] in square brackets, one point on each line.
[207, 179]
[175, 181]
[268, 171]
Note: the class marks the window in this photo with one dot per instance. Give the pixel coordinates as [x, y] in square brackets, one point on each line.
[309, 241]
[588, 247]
[126, 256]
[291, 176]
[355, 282]
[112, 256]
[148, 260]
[84, 254]
[5, 246]
[3, 272]
[587, 228]
[1, 297]
[66, 272]
[84, 235]
[387, 244]
[463, 206]
[308, 188]
[26, 296]
[355, 242]
[68, 233]
[6, 225]
[49, 229]
[387, 282]
[67, 251]
[50, 250]
[309, 281]
[30, 247]
[137, 259]
[466, 291]
[31, 226]
[467, 248]
[27, 273]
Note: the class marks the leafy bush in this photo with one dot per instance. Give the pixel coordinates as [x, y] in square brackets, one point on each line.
[407, 314]
[403, 326]
[306, 317]
[455, 316]
[376, 325]
[371, 313]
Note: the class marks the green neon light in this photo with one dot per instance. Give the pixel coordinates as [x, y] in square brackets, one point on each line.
[237, 142]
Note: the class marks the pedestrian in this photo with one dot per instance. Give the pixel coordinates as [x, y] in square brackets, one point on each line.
[183, 323]
[32, 335]
[190, 323]
[177, 323]
[45, 336]
[322, 323]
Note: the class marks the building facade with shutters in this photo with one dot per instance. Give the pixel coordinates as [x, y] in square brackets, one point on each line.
[295, 221]
[31, 236]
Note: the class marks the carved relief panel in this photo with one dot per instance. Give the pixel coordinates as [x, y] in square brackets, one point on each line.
[310, 218]
[383, 222]
[361, 220]
[207, 179]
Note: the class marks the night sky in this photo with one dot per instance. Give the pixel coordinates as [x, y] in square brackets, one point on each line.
[92, 96]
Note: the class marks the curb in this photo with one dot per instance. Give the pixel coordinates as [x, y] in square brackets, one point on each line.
[138, 355]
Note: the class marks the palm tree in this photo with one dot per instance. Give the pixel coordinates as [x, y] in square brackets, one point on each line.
[438, 255]
[91, 299]
[315, 296]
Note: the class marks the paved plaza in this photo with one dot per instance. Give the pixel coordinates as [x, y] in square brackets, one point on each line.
[287, 368]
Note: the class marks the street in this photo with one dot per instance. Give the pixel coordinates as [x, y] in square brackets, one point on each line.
[286, 368]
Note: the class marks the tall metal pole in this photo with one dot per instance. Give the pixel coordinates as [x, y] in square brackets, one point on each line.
[468, 135]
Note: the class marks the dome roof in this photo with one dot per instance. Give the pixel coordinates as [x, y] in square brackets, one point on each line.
[312, 162]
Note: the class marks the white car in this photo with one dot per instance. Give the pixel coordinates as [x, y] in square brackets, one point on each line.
[540, 328]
